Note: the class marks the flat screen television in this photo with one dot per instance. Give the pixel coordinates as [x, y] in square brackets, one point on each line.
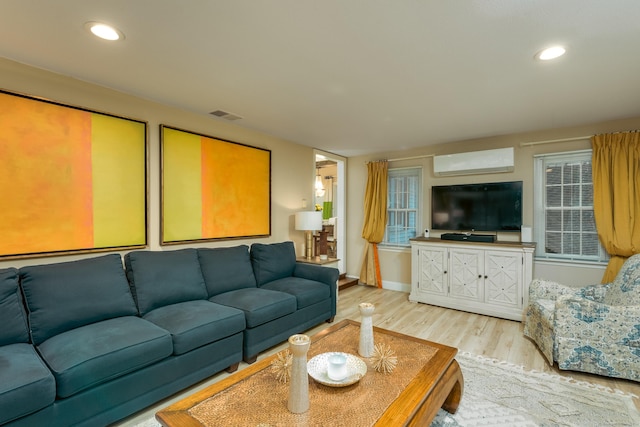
[494, 206]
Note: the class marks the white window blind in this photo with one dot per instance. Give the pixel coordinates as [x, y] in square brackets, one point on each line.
[403, 206]
[564, 223]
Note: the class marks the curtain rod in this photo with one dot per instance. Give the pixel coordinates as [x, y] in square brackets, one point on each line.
[424, 156]
[522, 144]
[549, 141]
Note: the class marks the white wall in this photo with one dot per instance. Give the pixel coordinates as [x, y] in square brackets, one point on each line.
[569, 274]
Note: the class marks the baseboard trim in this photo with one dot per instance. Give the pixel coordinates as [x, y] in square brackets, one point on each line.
[392, 286]
[396, 286]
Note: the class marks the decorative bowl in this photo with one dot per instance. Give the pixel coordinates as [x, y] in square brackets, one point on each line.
[318, 365]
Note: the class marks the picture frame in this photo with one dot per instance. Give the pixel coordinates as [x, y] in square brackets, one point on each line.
[73, 180]
[212, 188]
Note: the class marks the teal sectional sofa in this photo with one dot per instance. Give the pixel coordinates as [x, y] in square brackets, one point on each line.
[89, 342]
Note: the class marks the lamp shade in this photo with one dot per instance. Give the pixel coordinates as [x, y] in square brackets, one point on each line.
[309, 220]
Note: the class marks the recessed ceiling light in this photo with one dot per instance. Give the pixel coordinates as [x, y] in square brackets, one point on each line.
[550, 53]
[104, 31]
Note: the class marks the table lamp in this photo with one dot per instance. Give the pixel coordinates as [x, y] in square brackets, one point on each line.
[309, 221]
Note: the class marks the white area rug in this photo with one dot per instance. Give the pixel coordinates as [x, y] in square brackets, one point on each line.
[501, 394]
[151, 422]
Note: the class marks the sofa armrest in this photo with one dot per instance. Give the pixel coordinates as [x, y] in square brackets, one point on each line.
[546, 289]
[326, 275]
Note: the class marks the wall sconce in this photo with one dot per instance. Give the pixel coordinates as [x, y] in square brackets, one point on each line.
[308, 221]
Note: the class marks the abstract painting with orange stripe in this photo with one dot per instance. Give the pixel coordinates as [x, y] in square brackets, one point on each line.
[70, 179]
[213, 189]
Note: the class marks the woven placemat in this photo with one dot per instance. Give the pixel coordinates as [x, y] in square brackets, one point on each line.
[260, 400]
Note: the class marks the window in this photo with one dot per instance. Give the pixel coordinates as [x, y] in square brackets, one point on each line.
[565, 226]
[403, 206]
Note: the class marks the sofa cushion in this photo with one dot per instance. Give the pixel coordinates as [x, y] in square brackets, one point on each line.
[68, 295]
[12, 316]
[193, 324]
[307, 292]
[259, 305]
[272, 261]
[164, 278]
[226, 269]
[26, 385]
[96, 353]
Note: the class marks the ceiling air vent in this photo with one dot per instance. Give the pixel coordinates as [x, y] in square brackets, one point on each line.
[225, 115]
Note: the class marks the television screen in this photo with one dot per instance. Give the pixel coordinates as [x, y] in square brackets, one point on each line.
[495, 206]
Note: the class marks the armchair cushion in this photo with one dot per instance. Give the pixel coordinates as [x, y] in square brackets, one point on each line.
[598, 338]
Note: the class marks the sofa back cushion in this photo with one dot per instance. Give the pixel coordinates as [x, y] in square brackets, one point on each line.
[68, 295]
[162, 278]
[272, 261]
[226, 269]
[625, 289]
[13, 321]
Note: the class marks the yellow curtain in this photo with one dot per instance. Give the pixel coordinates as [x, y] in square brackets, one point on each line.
[616, 196]
[375, 221]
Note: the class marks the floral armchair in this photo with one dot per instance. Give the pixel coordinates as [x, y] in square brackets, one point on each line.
[592, 329]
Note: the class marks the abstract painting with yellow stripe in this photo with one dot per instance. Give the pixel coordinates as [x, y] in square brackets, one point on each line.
[70, 179]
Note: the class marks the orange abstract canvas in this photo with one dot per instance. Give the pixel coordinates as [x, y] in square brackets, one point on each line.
[213, 189]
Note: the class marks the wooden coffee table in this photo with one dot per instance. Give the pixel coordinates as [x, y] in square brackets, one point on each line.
[426, 379]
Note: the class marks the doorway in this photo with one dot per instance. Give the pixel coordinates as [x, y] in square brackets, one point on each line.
[330, 196]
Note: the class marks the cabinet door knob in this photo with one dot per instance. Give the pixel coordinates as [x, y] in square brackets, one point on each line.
[445, 272]
[479, 276]
[486, 277]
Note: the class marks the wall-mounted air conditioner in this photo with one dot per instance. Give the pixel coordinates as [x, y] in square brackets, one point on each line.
[474, 162]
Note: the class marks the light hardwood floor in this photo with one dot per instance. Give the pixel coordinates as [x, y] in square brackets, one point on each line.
[473, 333]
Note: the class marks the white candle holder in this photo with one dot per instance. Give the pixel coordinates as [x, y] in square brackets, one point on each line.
[298, 401]
[365, 348]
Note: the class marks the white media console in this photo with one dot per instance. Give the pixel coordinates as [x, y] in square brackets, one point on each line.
[484, 278]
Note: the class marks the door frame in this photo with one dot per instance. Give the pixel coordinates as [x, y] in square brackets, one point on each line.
[340, 198]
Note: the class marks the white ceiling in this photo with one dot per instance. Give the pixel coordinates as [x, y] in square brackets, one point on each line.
[350, 76]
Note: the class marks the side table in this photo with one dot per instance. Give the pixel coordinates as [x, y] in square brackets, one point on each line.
[329, 262]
